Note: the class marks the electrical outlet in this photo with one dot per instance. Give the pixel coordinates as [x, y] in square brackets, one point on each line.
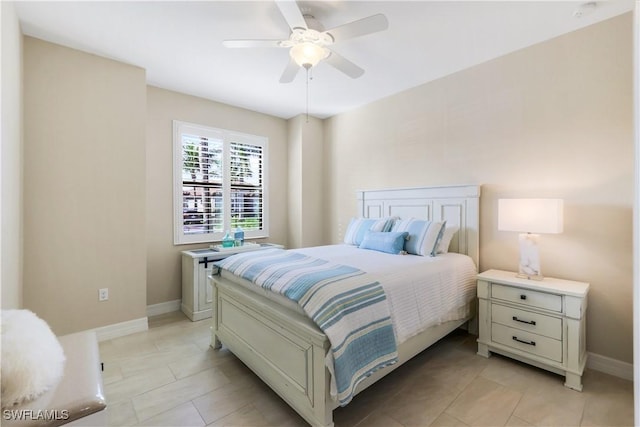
[103, 294]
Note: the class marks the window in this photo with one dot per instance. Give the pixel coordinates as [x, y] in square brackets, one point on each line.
[219, 183]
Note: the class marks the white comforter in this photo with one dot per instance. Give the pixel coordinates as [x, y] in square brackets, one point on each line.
[421, 291]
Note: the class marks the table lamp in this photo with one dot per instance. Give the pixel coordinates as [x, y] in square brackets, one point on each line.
[530, 217]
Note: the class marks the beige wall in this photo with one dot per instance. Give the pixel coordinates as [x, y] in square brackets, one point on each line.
[551, 120]
[163, 106]
[11, 154]
[294, 146]
[306, 183]
[312, 195]
[636, 214]
[84, 187]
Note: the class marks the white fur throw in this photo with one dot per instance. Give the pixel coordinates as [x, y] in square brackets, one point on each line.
[32, 358]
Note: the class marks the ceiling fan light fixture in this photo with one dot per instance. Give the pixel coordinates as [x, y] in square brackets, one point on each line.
[308, 54]
[309, 42]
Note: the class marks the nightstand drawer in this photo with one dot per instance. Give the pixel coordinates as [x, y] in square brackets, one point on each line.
[525, 341]
[527, 297]
[528, 321]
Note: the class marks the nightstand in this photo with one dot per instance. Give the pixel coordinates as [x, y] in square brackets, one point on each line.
[197, 266]
[542, 323]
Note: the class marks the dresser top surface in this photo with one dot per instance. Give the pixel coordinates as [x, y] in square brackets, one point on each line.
[548, 284]
[212, 253]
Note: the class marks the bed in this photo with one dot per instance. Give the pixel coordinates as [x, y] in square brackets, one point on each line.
[286, 349]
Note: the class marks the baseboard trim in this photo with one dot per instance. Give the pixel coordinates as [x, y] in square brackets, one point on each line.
[163, 307]
[121, 329]
[610, 366]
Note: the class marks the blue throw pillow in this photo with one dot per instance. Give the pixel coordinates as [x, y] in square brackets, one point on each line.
[389, 242]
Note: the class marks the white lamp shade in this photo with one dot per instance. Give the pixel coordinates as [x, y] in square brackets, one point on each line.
[308, 54]
[530, 215]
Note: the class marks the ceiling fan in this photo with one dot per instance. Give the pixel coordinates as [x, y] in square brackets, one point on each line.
[309, 43]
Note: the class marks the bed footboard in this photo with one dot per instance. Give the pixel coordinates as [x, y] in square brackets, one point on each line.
[287, 351]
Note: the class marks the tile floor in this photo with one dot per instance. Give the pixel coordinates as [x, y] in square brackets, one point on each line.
[169, 376]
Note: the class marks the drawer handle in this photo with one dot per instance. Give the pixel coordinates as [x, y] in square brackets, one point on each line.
[524, 342]
[528, 322]
[523, 297]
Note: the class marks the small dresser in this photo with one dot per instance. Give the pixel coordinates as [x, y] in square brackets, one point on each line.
[542, 323]
[197, 266]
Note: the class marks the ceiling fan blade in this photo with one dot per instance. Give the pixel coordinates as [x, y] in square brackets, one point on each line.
[358, 28]
[291, 13]
[289, 72]
[251, 43]
[344, 65]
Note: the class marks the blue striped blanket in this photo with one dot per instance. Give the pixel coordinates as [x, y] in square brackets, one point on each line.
[346, 304]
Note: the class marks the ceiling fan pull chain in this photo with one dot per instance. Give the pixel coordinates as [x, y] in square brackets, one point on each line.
[307, 107]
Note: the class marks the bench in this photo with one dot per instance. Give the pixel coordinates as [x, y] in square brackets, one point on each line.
[77, 400]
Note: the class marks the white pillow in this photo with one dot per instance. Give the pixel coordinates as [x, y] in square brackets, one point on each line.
[358, 227]
[424, 235]
[32, 357]
[445, 241]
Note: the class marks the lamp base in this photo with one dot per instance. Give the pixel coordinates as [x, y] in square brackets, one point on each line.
[529, 267]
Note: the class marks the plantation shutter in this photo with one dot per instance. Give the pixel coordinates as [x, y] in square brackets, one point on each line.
[202, 196]
[246, 167]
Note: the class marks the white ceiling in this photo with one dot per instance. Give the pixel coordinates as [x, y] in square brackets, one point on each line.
[179, 44]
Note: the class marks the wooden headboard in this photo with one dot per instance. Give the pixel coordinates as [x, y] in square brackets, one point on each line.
[457, 204]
